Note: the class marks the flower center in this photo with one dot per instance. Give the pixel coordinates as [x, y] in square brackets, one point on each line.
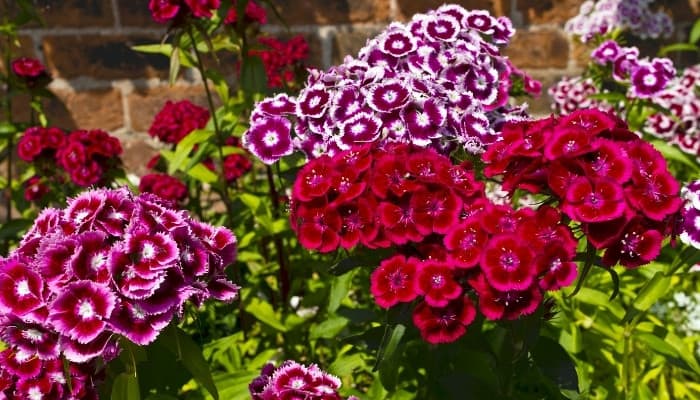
[86, 310]
[22, 288]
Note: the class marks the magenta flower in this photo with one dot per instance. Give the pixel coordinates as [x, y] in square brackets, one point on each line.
[394, 281]
[81, 310]
[435, 281]
[292, 380]
[508, 263]
[269, 139]
[444, 324]
[21, 288]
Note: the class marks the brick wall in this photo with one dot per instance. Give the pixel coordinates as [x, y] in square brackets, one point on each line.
[101, 83]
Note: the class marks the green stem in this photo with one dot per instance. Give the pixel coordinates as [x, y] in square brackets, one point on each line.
[279, 246]
[626, 361]
[220, 139]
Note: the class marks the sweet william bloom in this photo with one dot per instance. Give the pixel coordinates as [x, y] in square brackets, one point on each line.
[21, 288]
[165, 186]
[292, 380]
[444, 324]
[638, 245]
[690, 214]
[253, 13]
[510, 304]
[595, 200]
[28, 68]
[508, 263]
[394, 281]
[269, 139]
[164, 11]
[203, 8]
[435, 281]
[80, 312]
[177, 119]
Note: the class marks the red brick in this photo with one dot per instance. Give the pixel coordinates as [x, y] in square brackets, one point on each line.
[408, 8]
[325, 12]
[94, 109]
[76, 13]
[102, 57]
[542, 48]
[136, 13]
[548, 11]
[145, 104]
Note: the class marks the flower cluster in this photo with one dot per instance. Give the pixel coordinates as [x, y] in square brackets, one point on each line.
[451, 240]
[281, 59]
[166, 187]
[682, 311]
[690, 222]
[606, 16]
[108, 264]
[292, 380]
[88, 157]
[680, 123]
[176, 119]
[30, 70]
[601, 174]
[438, 80]
[253, 13]
[571, 94]
[645, 77]
[165, 11]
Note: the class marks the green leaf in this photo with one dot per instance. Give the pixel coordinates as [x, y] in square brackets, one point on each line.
[125, 387]
[202, 173]
[675, 154]
[340, 287]
[14, 228]
[190, 355]
[184, 148]
[677, 47]
[654, 289]
[7, 129]
[253, 77]
[264, 312]
[345, 365]
[388, 358]
[157, 48]
[328, 329]
[174, 65]
[234, 385]
[694, 35]
[554, 363]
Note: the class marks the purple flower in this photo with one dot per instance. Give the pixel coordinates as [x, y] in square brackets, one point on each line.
[397, 42]
[293, 380]
[362, 128]
[269, 139]
[607, 52]
[80, 311]
[21, 289]
[388, 96]
[649, 78]
[690, 225]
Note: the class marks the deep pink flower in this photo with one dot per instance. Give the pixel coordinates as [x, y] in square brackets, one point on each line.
[444, 324]
[568, 143]
[21, 288]
[655, 194]
[203, 8]
[556, 262]
[435, 210]
[253, 13]
[314, 179]
[177, 119]
[318, 227]
[509, 304]
[81, 310]
[165, 186]
[137, 325]
[435, 280]
[393, 281]
[638, 245]
[508, 263]
[465, 242]
[29, 69]
[594, 200]
[163, 11]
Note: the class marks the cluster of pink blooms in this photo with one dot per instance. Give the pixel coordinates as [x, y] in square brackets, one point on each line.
[110, 264]
[644, 78]
[29, 70]
[292, 380]
[172, 123]
[680, 123]
[176, 120]
[253, 13]
[606, 16]
[690, 223]
[438, 81]
[281, 59]
[451, 241]
[616, 185]
[176, 11]
[87, 156]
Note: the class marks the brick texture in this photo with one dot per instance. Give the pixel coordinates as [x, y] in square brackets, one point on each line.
[102, 57]
[543, 48]
[408, 8]
[324, 12]
[88, 109]
[76, 13]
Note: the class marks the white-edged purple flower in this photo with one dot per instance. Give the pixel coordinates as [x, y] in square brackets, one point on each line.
[388, 96]
[606, 52]
[397, 42]
[690, 225]
[134, 323]
[81, 310]
[31, 338]
[293, 380]
[78, 352]
[360, 129]
[313, 101]
[279, 105]
[21, 288]
[423, 124]
[650, 77]
[83, 210]
[482, 21]
[269, 139]
[442, 27]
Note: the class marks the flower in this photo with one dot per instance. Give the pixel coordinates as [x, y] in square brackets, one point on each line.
[164, 186]
[444, 324]
[109, 264]
[177, 119]
[253, 13]
[30, 70]
[292, 380]
[399, 88]
[690, 214]
[394, 281]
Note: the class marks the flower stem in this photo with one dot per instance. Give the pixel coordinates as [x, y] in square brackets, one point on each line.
[279, 245]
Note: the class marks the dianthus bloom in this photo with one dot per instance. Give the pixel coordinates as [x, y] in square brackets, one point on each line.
[164, 186]
[177, 119]
[164, 11]
[690, 225]
[605, 16]
[292, 380]
[87, 157]
[282, 59]
[254, 12]
[460, 243]
[437, 81]
[613, 183]
[110, 264]
[29, 70]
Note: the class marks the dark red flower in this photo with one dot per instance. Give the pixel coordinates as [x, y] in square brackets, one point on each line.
[394, 281]
[444, 324]
[435, 280]
[508, 263]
